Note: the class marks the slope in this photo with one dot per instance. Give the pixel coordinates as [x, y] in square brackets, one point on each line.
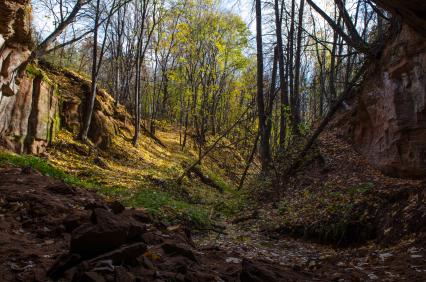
[144, 175]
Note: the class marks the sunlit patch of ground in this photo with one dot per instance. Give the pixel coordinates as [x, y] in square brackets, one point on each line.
[146, 175]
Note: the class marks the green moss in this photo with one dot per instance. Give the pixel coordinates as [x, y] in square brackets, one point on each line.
[53, 127]
[56, 91]
[56, 125]
[35, 72]
[218, 180]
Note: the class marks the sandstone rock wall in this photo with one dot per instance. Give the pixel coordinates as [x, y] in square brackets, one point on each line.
[390, 123]
[28, 105]
[15, 42]
[74, 89]
[29, 119]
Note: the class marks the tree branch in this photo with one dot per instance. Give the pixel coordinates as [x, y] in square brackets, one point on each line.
[357, 45]
[42, 48]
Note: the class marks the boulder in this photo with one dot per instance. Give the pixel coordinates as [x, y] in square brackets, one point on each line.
[255, 273]
[72, 221]
[105, 233]
[62, 264]
[179, 250]
[93, 239]
[123, 255]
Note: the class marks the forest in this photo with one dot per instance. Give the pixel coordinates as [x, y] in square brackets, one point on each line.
[212, 140]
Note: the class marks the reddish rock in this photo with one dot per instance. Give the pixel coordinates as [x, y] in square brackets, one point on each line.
[390, 123]
[105, 233]
[27, 102]
[15, 41]
[28, 120]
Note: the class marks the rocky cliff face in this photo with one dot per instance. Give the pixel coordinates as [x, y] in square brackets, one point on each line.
[15, 41]
[28, 106]
[107, 120]
[29, 119]
[390, 123]
[412, 12]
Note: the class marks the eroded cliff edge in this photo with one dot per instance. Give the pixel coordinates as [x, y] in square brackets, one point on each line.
[389, 126]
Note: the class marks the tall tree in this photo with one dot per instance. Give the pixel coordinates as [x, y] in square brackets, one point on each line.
[97, 60]
[297, 65]
[283, 87]
[290, 60]
[146, 30]
[264, 150]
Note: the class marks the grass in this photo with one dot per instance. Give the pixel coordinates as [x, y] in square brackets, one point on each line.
[168, 207]
[144, 176]
[45, 168]
[218, 180]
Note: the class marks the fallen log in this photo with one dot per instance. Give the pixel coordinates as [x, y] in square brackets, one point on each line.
[205, 178]
[152, 136]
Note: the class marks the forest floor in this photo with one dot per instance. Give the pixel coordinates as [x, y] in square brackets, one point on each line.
[44, 220]
[51, 231]
[404, 261]
[40, 218]
[337, 216]
[301, 235]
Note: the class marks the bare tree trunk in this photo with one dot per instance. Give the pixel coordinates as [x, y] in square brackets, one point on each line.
[137, 96]
[332, 81]
[284, 103]
[249, 161]
[290, 59]
[90, 103]
[265, 154]
[272, 93]
[296, 106]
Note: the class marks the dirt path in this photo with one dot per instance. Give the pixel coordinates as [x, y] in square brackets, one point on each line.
[402, 262]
